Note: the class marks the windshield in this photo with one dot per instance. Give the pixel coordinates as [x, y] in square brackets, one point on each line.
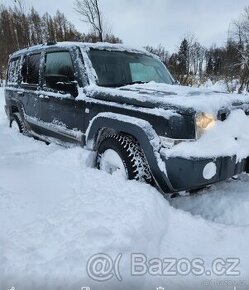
[120, 68]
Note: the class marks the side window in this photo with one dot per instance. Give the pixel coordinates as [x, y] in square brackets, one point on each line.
[30, 69]
[14, 71]
[59, 68]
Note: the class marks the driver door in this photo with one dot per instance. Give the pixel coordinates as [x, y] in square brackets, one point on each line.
[58, 108]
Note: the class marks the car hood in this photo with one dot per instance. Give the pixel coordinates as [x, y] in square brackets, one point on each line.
[153, 95]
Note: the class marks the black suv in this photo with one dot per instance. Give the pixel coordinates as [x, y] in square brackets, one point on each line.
[123, 104]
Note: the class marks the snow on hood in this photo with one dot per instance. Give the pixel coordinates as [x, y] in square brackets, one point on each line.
[162, 95]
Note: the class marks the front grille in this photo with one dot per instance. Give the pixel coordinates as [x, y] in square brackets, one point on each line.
[223, 117]
[223, 114]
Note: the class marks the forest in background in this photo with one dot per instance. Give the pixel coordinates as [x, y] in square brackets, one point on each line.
[191, 64]
[21, 27]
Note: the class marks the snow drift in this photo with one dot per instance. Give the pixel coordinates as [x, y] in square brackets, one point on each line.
[56, 211]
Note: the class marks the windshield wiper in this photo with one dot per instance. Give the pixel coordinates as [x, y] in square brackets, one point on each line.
[122, 85]
[135, 83]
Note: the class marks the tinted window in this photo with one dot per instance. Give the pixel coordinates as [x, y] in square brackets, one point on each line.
[31, 67]
[14, 71]
[60, 66]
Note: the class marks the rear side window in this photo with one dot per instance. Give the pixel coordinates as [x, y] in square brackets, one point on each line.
[14, 71]
[31, 68]
[59, 65]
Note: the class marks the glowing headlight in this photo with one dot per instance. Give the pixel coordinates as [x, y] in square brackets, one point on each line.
[204, 122]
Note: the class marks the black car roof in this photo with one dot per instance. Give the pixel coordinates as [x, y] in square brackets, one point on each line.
[84, 45]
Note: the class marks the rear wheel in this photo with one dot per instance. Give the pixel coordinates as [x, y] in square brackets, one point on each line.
[18, 124]
[121, 154]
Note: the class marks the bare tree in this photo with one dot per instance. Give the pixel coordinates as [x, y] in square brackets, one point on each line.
[160, 51]
[241, 36]
[90, 13]
[196, 57]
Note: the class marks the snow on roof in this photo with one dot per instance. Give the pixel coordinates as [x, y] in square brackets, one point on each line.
[85, 45]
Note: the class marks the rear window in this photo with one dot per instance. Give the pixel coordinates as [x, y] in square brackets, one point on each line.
[14, 71]
[31, 68]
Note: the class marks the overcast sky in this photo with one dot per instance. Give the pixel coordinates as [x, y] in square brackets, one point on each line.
[166, 22]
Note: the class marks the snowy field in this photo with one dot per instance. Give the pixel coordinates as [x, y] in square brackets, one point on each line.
[56, 211]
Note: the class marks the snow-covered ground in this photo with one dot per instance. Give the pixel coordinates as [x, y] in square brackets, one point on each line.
[56, 211]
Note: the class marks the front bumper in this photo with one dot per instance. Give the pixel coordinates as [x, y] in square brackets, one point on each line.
[191, 174]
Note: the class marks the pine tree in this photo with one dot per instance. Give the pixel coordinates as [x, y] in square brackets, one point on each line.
[210, 66]
[183, 58]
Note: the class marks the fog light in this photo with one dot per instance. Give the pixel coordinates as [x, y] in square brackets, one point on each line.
[209, 171]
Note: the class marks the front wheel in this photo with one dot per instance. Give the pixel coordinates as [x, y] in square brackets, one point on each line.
[121, 154]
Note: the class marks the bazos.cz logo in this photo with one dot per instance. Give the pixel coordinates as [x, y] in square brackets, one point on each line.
[101, 267]
[140, 266]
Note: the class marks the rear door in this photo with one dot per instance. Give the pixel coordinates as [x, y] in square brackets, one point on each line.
[30, 85]
[59, 110]
[23, 83]
[12, 89]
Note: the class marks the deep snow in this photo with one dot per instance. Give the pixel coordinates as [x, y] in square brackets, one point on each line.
[56, 211]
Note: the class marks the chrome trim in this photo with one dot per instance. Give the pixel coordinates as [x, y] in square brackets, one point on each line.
[170, 142]
[75, 135]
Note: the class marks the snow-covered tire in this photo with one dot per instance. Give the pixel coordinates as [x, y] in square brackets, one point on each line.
[17, 120]
[131, 155]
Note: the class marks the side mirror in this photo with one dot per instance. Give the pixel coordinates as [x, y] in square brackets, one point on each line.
[62, 83]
